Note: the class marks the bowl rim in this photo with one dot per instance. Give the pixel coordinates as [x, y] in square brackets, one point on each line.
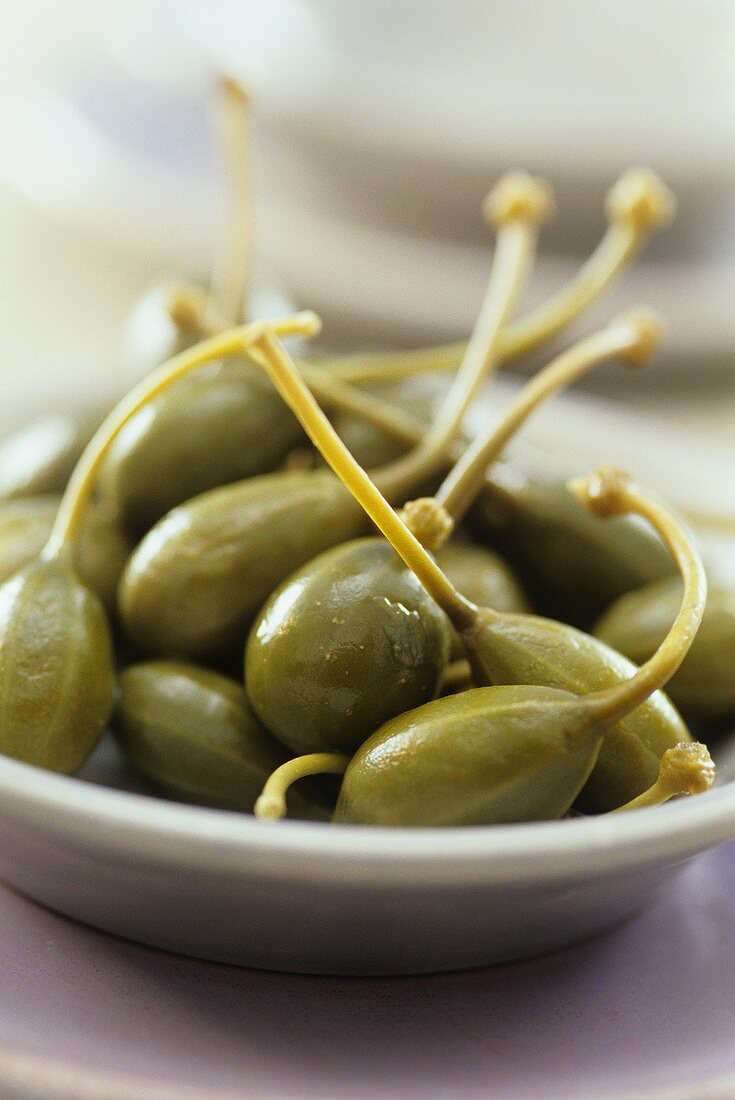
[133, 825]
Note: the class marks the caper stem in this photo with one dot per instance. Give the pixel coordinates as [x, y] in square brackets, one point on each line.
[638, 204]
[624, 337]
[231, 270]
[82, 481]
[612, 493]
[687, 768]
[391, 366]
[517, 207]
[283, 372]
[271, 804]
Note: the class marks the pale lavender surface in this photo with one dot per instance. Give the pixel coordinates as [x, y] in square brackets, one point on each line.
[649, 1005]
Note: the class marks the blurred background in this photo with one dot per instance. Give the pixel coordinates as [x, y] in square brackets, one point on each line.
[378, 127]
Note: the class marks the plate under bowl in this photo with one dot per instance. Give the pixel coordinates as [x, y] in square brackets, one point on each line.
[312, 898]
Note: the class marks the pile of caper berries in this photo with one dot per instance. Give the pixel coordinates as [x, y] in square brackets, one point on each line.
[210, 570]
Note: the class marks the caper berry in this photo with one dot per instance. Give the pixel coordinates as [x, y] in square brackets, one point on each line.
[348, 641]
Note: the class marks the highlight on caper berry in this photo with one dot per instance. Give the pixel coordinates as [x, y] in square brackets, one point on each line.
[294, 586]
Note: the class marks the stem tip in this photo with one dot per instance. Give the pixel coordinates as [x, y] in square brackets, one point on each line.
[229, 86]
[641, 199]
[687, 768]
[518, 196]
[648, 331]
[606, 493]
[428, 521]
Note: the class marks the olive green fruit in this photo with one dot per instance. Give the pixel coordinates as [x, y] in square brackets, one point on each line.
[527, 649]
[40, 457]
[370, 444]
[193, 733]
[572, 565]
[482, 576]
[348, 641]
[201, 574]
[100, 554]
[200, 434]
[56, 668]
[637, 623]
[488, 756]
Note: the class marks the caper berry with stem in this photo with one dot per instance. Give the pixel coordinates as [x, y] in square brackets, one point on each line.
[200, 575]
[324, 663]
[495, 755]
[507, 648]
[56, 661]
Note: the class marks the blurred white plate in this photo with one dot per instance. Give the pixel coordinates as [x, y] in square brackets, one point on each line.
[373, 156]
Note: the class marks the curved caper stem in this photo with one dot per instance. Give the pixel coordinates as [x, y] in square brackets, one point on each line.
[638, 204]
[687, 768]
[82, 481]
[608, 493]
[271, 803]
[283, 372]
[632, 338]
[231, 270]
[516, 207]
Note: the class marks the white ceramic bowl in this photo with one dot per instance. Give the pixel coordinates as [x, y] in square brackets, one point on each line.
[351, 900]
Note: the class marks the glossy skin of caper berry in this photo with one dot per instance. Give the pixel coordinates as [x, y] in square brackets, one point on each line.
[704, 686]
[572, 565]
[199, 577]
[193, 733]
[347, 642]
[56, 668]
[490, 756]
[202, 433]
